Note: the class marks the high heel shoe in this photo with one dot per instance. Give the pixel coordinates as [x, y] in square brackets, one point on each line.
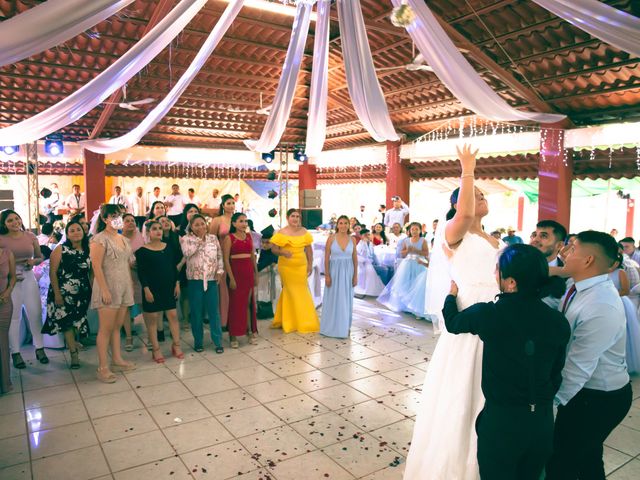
[159, 359]
[18, 362]
[174, 352]
[105, 375]
[41, 356]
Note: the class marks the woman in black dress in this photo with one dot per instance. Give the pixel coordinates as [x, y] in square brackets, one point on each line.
[70, 289]
[159, 279]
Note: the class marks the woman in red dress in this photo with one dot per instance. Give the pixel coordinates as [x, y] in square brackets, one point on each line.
[378, 236]
[240, 265]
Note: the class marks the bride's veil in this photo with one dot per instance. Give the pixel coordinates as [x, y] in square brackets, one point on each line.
[438, 279]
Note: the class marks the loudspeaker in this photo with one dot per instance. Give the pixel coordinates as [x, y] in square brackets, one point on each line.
[310, 199]
[311, 218]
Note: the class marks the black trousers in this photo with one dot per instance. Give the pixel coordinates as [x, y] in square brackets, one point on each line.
[513, 442]
[581, 428]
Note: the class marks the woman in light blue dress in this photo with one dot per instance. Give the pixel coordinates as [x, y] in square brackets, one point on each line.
[621, 282]
[341, 276]
[415, 252]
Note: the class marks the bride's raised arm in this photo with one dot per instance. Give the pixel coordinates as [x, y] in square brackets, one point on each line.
[465, 207]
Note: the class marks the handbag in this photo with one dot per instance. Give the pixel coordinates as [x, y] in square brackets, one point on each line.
[264, 310]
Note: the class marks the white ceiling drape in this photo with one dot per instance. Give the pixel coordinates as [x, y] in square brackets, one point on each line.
[456, 72]
[317, 122]
[600, 20]
[51, 23]
[281, 109]
[364, 89]
[109, 145]
[96, 91]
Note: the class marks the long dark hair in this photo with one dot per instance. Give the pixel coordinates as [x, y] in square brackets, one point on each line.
[3, 220]
[453, 200]
[106, 209]
[153, 205]
[223, 200]
[529, 268]
[84, 243]
[383, 235]
[234, 218]
[185, 223]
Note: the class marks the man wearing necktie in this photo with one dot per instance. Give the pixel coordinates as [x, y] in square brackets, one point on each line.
[595, 394]
[75, 202]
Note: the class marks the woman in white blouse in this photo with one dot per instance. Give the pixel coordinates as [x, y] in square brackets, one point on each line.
[205, 268]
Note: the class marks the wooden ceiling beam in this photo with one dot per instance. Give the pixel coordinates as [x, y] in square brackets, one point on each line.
[506, 77]
[161, 10]
[483, 10]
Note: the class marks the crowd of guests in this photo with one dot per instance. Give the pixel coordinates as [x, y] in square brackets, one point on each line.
[204, 263]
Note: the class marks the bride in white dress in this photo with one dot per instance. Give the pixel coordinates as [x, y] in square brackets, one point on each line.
[444, 444]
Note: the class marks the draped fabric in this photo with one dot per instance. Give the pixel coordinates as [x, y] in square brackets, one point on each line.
[134, 136]
[317, 122]
[97, 90]
[364, 89]
[51, 23]
[602, 21]
[456, 72]
[277, 120]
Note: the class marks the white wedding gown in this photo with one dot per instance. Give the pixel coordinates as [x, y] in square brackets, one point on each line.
[444, 443]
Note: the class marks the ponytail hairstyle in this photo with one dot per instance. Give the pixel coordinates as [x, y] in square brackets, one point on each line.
[106, 209]
[453, 200]
[234, 218]
[223, 200]
[529, 268]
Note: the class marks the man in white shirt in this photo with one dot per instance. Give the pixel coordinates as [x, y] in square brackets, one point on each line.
[595, 394]
[239, 205]
[396, 215]
[430, 236]
[75, 202]
[119, 199]
[139, 206]
[629, 247]
[191, 197]
[212, 206]
[175, 204]
[155, 197]
[395, 236]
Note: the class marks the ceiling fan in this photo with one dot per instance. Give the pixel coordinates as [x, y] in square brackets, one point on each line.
[130, 105]
[263, 110]
[418, 64]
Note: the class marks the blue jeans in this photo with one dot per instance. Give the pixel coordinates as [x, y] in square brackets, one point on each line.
[198, 298]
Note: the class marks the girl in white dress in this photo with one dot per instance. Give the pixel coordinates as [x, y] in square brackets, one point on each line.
[444, 443]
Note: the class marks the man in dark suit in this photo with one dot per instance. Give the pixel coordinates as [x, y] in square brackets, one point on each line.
[549, 238]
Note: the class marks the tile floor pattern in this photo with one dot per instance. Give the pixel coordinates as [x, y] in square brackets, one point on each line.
[292, 407]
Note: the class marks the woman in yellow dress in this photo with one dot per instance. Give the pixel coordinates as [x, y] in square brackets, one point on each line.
[292, 244]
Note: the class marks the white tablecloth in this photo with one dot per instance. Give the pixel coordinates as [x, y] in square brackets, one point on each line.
[385, 255]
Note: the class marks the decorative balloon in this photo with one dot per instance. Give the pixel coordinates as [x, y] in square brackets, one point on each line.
[272, 194]
[273, 212]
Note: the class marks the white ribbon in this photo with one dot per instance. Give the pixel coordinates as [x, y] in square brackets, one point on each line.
[364, 89]
[277, 120]
[603, 21]
[317, 122]
[151, 120]
[51, 23]
[456, 72]
[97, 90]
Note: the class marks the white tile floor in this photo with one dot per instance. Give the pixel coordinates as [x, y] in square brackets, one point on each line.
[292, 407]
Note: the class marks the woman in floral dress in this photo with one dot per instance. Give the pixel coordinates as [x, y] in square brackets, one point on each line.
[70, 289]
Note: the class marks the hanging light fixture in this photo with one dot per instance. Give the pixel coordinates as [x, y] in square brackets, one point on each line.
[53, 145]
[10, 149]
